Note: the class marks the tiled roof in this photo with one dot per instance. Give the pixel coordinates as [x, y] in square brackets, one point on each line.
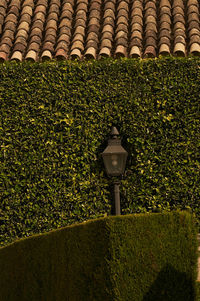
[67, 29]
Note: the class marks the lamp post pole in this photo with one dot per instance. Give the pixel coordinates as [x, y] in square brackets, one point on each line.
[117, 198]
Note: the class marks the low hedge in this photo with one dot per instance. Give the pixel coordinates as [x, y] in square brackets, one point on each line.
[55, 120]
[123, 258]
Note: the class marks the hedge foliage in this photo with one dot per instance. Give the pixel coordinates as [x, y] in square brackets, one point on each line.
[55, 120]
[133, 257]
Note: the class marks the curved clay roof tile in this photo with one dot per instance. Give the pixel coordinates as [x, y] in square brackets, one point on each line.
[179, 32]
[136, 42]
[31, 55]
[164, 49]
[92, 36]
[136, 12]
[12, 18]
[106, 43]
[123, 5]
[164, 40]
[82, 6]
[57, 2]
[137, 20]
[5, 48]
[179, 39]
[80, 30]
[68, 1]
[179, 49]
[150, 52]
[165, 33]
[82, 1]
[27, 10]
[79, 22]
[108, 28]
[122, 20]
[150, 12]
[149, 5]
[137, 3]
[66, 22]
[135, 52]
[54, 9]
[42, 2]
[2, 12]
[122, 27]
[16, 3]
[178, 3]
[165, 18]
[179, 25]
[10, 25]
[104, 52]
[28, 3]
[21, 40]
[92, 44]
[3, 3]
[194, 39]
[26, 18]
[177, 10]
[195, 49]
[193, 17]
[165, 10]
[13, 10]
[35, 39]
[94, 21]
[194, 31]
[107, 35]
[179, 18]
[151, 42]
[52, 16]
[40, 9]
[193, 9]
[150, 19]
[90, 53]
[46, 55]
[136, 26]
[61, 54]
[109, 5]
[19, 47]
[121, 41]
[136, 34]
[66, 38]
[62, 45]
[109, 13]
[75, 54]
[109, 21]
[17, 55]
[192, 2]
[122, 12]
[120, 51]
[151, 26]
[7, 41]
[165, 3]
[66, 14]
[194, 24]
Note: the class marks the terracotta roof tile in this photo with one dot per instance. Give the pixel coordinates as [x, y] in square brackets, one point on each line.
[64, 29]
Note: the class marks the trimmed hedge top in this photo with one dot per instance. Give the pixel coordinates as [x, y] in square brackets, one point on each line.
[133, 257]
[55, 120]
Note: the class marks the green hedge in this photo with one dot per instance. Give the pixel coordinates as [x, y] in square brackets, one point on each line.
[55, 119]
[133, 257]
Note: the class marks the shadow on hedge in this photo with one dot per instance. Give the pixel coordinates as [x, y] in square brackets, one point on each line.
[168, 286]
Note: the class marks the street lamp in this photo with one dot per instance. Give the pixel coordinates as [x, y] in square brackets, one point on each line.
[114, 157]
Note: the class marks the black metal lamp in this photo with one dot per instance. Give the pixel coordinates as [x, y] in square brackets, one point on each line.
[114, 157]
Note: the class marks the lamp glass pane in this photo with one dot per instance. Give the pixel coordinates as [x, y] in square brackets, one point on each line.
[114, 164]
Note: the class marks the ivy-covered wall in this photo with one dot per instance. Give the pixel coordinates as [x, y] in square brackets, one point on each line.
[55, 119]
